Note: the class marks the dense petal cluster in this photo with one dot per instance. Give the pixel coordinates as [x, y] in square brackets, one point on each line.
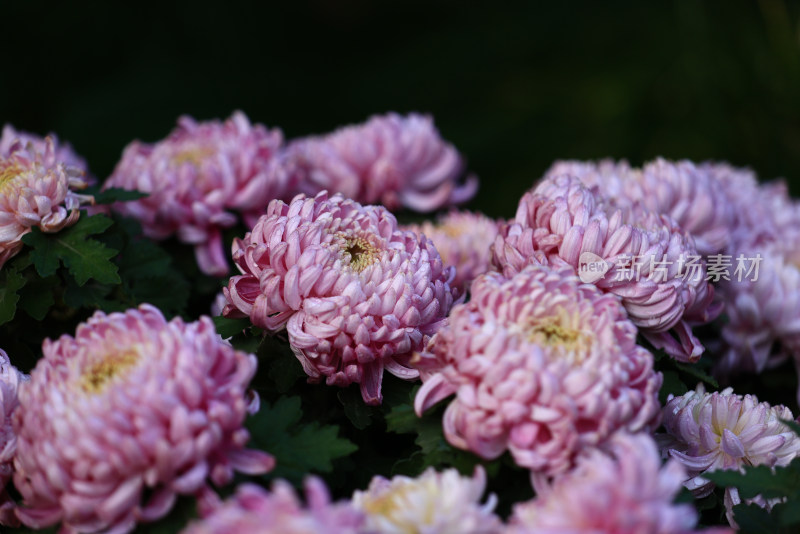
[252, 510]
[36, 190]
[541, 365]
[133, 405]
[392, 160]
[689, 194]
[433, 503]
[646, 259]
[622, 491]
[356, 293]
[198, 178]
[723, 430]
[10, 379]
[464, 241]
[63, 151]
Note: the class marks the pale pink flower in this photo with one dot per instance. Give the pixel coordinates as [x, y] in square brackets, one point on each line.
[432, 503]
[687, 193]
[393, 160]
[63, 151]
[36, 190]
[253, 510]
[622, 491]
[541, 365]
[132, 406]
[647, 261]
[356, 294]
[464, 241]
[10, 380]
[198, 178]
[723, 430]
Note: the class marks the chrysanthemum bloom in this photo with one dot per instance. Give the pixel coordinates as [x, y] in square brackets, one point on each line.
[63, 151]
[253, 510]
[391, 160]
[464, 241]
[432, 503]
[645, 258]
[132, 406]
[623, 491]
[36, 190]
[356, 294]
[722, 430]
[198, 178]
[685, 192]
[10, 380]
[541, 365]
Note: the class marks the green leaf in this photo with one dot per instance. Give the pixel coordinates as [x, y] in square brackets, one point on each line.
[698, 373]
[401, 419]
[753, 519]
[84, 257]
[793, 425]
[358, 412]
[761, 480]
[115, 194]
[282, 366]
[298, 447]
[12, 282]
[227, 327]
[37, 298]
[672, 385]
[91, 295]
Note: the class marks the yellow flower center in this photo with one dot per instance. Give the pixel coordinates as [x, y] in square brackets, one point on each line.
[195, 156]
[361, 252]
[8, 175]
[561, 331]
[392, 504]
[97, 377]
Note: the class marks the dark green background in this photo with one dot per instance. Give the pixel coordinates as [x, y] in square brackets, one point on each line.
[513, 85]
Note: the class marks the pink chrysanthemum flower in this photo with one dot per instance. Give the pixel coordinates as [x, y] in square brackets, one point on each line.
[432, 503]
[639, 256]
[356, 294]
[198, 178]
[36, 190]
[63, 151]
[541, 365]
[685, 192]
[133, 405]
[253, 510]
[391, 160]
[722, 430]
[10, 380]
[623, 491]
[464, 241]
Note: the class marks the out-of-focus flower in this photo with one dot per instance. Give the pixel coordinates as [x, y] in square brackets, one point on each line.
[642, 257]
[133, 405]
[622, 491]
[198, 178]
[253, 510]
[63, 151]
[390, 159]
[10, 380]
[722, 430]
[541, 365]
[464, 240]
[433, 503]
[356, 294]
[36, 190]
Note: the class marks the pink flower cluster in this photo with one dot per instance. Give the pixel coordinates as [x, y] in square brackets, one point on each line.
[391, 160]
[133, 405]
[10, 380]
[642, 252]
[356, 294]
[36, 190]
[198, 178]
[620, 490]
[541, 365]
[63, 151]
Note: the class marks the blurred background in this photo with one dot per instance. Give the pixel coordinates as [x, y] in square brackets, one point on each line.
[513, 85]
